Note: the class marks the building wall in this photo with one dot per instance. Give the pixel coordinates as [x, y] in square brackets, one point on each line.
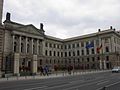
[1, 46]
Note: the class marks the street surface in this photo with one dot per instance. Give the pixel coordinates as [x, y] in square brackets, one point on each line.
[90, 81]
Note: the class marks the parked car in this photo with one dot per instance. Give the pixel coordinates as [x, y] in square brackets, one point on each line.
[116, 69]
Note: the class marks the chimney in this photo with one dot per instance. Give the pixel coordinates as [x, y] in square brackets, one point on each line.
[8, 16]
[111, 27]
[41, 26]
[99, 30]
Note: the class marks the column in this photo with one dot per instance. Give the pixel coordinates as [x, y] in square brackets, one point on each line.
[112, 44]
[20, 44]
[37, 48]
[34, 64]
[43, 47]
[32, 45]
[100, 64]
[13, 37]
[16, 63]
[26, 42]
[104, 62]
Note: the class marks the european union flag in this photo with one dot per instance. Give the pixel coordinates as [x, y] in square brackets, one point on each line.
[90, 45]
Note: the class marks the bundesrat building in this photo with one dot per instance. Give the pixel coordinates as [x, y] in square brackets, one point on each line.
[25, 48]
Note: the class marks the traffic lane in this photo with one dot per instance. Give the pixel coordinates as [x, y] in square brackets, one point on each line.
[96, 85]
[76, 84]
[45, 82]
[69, 84]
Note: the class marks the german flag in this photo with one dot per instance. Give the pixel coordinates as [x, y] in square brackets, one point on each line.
[98, 48]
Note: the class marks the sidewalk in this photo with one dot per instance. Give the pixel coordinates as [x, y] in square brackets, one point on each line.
[53, 75]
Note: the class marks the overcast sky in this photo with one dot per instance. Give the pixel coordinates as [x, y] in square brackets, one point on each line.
[65, 18]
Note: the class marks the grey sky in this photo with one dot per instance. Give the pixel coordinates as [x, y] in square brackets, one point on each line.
[66, 18]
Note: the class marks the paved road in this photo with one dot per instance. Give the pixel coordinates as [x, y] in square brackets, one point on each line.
[79, 82]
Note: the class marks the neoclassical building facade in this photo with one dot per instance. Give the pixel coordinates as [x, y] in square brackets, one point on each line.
[25, 48]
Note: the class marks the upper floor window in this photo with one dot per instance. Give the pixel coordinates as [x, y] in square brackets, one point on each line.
[78, 45]
[82, 44]
[87, 51]
[15, 46]
[93, 51]
[46, 44]
[107, 58]
[46, 52]
[107, 49]
[69, 53]
[73, 45]
[69, 46]
[50, 45]
[65, 46]
[65, 54]
[78, 52]
[82, 52]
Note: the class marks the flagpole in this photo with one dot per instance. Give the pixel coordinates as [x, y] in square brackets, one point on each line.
[98, 48]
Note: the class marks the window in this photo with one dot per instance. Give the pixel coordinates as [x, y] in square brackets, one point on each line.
[78, 45]
[69, 46]
[46, 52]
[82, 44]
[107, 49]
[98, 58]
[33, 49]
[107, 58]
[28, 48]
[40, 62]
[88, 59]
[73, 45]
[61, 54]
[78, 52]
[22, 47]
[82, 52]
[93, 59]
[54, 53]
[15, 46]
[65, 54]
[58, 54]
[46, 44]
[54, 45]
[50, 53]
[87, 51]
[50, 45]
[65, 46]
[69, 53]
[93, 52]
[73, 53]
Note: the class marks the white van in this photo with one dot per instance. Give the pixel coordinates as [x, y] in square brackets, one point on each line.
[116, 69]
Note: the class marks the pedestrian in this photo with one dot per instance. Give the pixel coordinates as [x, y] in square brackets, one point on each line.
[41, 70]
[46, 70]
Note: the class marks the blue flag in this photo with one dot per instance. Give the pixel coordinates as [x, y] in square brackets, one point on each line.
[89, 45]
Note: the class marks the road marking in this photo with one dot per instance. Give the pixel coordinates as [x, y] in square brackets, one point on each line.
[102, 82]
[113, 84]
[36, 88]
[77, 81]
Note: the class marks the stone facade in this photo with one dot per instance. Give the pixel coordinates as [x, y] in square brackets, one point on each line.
[25, 49]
